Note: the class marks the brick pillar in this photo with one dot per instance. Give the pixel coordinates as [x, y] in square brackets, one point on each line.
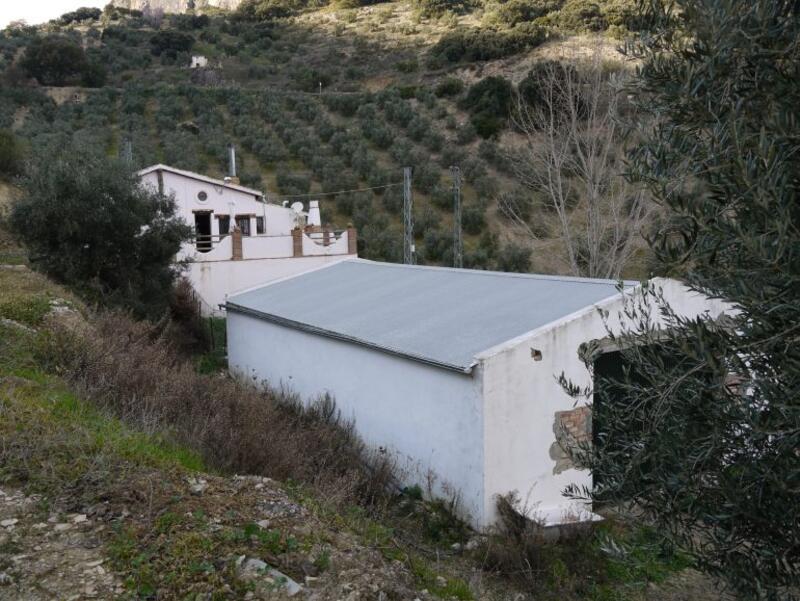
[352, 241]
[326, 236]
[297, 242]
[236, 241]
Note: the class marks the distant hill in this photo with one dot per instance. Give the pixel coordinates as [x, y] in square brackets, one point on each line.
[320, 101]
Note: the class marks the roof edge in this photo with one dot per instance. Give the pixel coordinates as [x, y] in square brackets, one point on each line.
[200, 177]
[512, 342]
[296, 325]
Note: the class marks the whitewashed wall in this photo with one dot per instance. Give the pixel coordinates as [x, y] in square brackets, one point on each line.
[215, 280]
[521, 397]
[428, 418]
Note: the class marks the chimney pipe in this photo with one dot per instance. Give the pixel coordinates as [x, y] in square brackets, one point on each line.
[313, 214]
[231, 161]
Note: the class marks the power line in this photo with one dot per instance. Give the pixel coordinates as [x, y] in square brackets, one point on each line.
[316, 194]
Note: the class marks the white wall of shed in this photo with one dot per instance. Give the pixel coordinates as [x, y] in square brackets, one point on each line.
[428, 418]
[214, 281]
[521, 397]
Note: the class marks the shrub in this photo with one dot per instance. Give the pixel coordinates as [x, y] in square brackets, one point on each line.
[473, 218]
[581, 15]
[54, 61]
[485, 44]
[489, 102]
[292, 183]
[169, 43]
[437, 8]
[451, 86]
[521, 11]
[268, 10]
[89, 224]
[82, 14]
[130, 369]
[514, 257]
[10, 153]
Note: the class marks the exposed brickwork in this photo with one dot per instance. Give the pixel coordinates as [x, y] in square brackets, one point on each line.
[236, 241]
[352, 241]
[571, 428]
[297, 242]
[326, 236]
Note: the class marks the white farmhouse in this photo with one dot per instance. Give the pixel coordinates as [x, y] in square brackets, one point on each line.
[452, 371]
[241, 240]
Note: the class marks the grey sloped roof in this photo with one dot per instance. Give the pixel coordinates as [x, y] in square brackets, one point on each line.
[437, 315]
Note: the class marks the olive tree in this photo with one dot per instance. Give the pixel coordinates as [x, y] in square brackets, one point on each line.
[700, 428]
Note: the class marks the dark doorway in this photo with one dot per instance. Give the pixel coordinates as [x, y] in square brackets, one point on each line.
[202, 231]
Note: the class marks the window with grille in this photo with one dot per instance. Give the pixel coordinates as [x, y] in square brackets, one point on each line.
[244, 224]
[224, 225]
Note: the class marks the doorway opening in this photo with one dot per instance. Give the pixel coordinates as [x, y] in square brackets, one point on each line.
[202, 231]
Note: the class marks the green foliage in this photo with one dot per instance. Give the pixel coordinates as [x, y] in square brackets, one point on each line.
[450, 86]
[438, 8]
[82, 14]
[268, 10]
[10, 153]
[58, 61]
[88, 224]
[700, 424]
[485, 44]
[514, 257]
[489, 103]
[520, 11]
[170, 43]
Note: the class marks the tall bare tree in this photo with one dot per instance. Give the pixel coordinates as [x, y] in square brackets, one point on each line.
[572, 156]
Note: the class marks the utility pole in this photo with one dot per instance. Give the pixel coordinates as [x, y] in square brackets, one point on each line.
[458, 243]
[408, 219]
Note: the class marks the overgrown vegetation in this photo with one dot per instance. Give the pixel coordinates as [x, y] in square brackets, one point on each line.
[700, 430]
[88, 224]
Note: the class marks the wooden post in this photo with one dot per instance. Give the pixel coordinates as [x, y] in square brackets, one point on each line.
[352, 240]
[297, 242]
[236, 241]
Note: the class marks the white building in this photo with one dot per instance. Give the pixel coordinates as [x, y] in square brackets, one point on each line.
[241, 240]
[198, 62]
[452, 371]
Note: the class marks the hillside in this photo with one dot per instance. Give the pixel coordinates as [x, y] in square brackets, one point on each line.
[324, 100]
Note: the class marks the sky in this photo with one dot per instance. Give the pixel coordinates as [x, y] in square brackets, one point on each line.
[39, 11]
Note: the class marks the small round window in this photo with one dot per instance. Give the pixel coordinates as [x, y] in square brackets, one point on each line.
[202, 196]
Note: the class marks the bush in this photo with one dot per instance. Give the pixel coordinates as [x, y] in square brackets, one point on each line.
[130, 370]
[513, 257]
[170, 43]
[88, 224]
[437, 8]
[520, 11]
[581, 15]
[473, 218]
[268, 10]
[451, 86]
[10, 154]
[82, 14]
[489, 102]
[54, 61]
[292, 183]
[485, 44]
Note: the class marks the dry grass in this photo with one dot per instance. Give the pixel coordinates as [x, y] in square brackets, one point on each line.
[123, 366]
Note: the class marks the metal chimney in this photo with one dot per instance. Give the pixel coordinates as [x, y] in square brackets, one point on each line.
[232, 163]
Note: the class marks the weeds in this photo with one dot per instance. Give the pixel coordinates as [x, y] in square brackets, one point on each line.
[121, 367]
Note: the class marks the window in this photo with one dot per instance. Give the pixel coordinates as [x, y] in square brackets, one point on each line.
[224, 225]
[202, 196]
[259, 225]
[243, 224]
